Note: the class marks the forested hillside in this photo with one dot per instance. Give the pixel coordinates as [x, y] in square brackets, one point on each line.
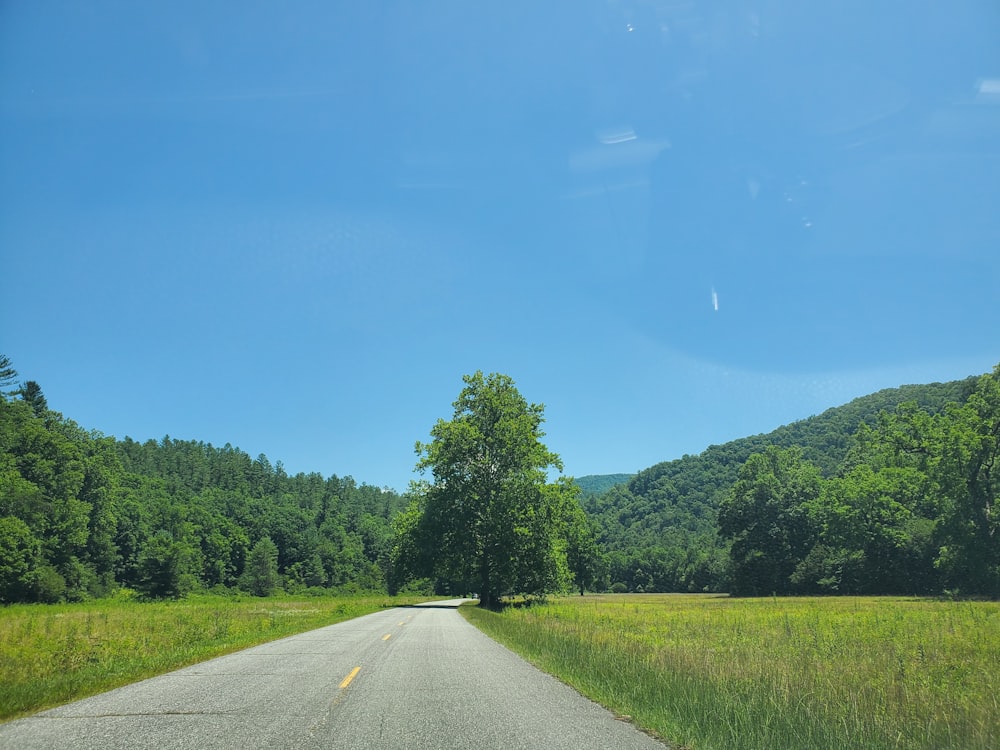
[661, 529]
[82, 514]
[598, 484]
[895, 492]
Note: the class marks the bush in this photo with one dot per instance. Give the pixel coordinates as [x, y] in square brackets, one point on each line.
[49, 586]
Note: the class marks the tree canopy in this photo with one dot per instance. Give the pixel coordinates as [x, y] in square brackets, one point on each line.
[82, 515]
[893, 493]
[765, 517]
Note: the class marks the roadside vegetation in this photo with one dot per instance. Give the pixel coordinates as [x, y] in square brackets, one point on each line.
[54, 653]
[706, 671]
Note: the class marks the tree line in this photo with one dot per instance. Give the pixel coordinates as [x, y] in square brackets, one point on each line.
[893, 493]
[83, 514]
[913, 509]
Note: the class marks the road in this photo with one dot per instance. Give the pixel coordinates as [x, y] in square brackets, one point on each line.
[410, 677]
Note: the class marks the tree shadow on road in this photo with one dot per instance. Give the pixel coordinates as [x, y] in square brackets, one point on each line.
[450, 604]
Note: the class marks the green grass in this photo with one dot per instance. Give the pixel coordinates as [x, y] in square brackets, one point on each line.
[715, 672]
[51, 654]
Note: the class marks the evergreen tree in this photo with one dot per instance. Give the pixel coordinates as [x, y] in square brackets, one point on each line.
[261, 575]
[32, 394]
[8, 375]
[166, 567]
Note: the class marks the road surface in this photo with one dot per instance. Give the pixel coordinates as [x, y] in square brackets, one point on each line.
[411, 677]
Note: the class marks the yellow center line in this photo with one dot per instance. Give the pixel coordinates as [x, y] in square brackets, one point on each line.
[403, 623]
[351, 676]
[387, 636]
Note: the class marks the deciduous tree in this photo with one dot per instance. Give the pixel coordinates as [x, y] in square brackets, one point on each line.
[766, 517]
[19, 552]
[586, 561]
[489, 522]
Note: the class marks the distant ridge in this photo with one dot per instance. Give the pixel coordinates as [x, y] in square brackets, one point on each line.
[598, 484]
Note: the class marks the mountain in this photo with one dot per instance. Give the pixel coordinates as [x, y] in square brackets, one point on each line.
[671, 508]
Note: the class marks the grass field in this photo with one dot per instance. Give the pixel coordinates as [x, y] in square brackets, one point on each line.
[714, 672]
[50, 654]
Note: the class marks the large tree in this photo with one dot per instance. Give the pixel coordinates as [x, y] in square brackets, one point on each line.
[969, 471]
[766, 517]
[959, 452]
[489, 521]
[586, 561]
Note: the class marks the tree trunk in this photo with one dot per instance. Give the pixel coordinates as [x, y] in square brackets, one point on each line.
[487, 596]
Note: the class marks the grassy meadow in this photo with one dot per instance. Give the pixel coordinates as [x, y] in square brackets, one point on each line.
[54, 653]
[705, 671]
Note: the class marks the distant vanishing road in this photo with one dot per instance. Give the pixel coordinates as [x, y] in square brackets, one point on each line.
[411, 677]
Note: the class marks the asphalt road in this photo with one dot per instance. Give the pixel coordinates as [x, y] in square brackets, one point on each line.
[412, 677]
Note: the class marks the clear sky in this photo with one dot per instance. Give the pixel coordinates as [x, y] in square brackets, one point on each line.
[294, 226]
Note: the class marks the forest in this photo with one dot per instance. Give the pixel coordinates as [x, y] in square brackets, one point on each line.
[83, 514]
[892, 493]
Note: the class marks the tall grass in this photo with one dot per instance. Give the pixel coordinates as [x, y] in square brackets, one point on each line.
[714, 672]
[50, 654]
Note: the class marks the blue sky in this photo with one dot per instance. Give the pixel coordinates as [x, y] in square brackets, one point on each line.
[293, 227]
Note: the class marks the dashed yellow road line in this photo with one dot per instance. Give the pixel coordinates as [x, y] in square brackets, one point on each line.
[387, 636]
[351, 676]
